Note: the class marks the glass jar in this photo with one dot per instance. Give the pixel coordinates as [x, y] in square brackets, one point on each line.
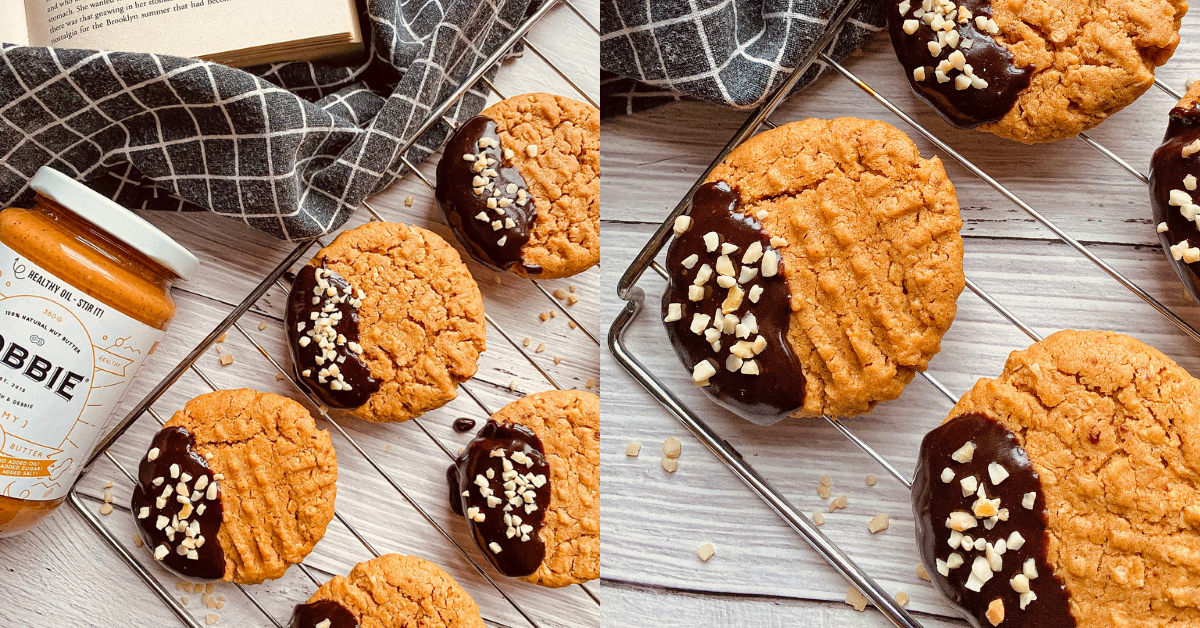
[84, 299]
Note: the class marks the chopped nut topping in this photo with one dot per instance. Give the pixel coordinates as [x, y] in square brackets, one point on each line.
[878, 523]
[1028, 500]
[871, 479]
[838, 502]
[995, 612]
[672, 447]
[633, 449]
[997, 473]
[947, 475]
[706, 552]
[965, 453]
[670, 465]
[855, 598]
[922, 573]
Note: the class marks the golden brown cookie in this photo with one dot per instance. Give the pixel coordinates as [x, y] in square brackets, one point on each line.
[385, 321]
[238, 485]
[520, 186]
[529, 485]
[834, 235]
[1032, 70]
[1110, 427]
[390, 591]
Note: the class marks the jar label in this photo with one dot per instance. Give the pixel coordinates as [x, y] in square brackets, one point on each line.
[65, 361]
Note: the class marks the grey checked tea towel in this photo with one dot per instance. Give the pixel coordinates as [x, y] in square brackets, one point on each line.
[291, 149]
[728, 52]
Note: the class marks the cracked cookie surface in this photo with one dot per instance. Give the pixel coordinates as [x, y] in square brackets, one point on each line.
[568, 424]
[1089, 60]
[563, 178]
[421, 321]
[279, 478]
[872, 259]
[1112, 427]
[398, 590]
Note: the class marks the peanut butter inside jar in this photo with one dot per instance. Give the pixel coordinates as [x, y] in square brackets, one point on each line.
[85, 257]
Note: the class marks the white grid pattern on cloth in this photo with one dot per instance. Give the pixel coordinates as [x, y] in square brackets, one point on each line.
[728, 52]
[291, 149]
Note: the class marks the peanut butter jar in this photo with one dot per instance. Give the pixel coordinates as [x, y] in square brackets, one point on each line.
[85, 296]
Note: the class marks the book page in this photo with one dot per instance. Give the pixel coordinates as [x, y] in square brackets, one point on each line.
[185, 28]
[13, 28]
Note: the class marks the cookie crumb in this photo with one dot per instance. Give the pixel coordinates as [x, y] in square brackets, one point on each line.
[184, 600]
[872, 479]
[670, 465]
[706, 552]
[388, 448]
[279, 377]
[838, 502]
[902, 598]
[571, 287]
[138, 542]
[590, 383]
[540, 348]
[108, 484]
[553, 314]
[557, 360]
[572, 299]
[262, 325]
[819, 518]
[995, 612]
[221, 338]
[826, 480]
[526, 342]
[545, 316]
[106, 509]
[878, 523]
[560, 294]
[573, 325]
[226, 360]
[408, 201]
[922, 573]
[823, 491]
[633, 449]
[496, 280]
[672, 447]
[855, 598]
[212, 618]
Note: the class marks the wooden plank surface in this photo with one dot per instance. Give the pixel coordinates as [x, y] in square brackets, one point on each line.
[62, 574]
[764, 574]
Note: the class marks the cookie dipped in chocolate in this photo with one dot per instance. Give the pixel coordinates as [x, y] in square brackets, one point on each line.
[483, 197]
[501, 483]
[322, 334]
[1169, 176]
[177, 506]
[734, 308]
[323, 614]
[965, 449]
[966, 100]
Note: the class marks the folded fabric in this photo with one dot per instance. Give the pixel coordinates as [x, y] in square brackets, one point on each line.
[290, 149]
[728, 52]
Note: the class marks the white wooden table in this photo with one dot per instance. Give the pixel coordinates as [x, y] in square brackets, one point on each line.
[62, 574]
[763, 574]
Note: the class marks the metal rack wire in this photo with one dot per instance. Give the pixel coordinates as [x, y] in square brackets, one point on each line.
[275, 278]
[634, 296]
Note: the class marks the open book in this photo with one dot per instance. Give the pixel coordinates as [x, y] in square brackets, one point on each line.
[232, 32]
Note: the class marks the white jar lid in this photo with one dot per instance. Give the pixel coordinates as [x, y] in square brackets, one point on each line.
[115, 220]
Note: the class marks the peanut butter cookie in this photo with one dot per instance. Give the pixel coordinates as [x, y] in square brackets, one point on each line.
[1174, 172]
[529, 486]
[385, 321]
[392, 590]
[519, 185]
[816, 270]
[1032, 70]
[1067, 491]
[238, 485]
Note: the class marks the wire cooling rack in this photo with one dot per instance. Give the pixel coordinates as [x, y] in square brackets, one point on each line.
[634, 297]
[153, 576]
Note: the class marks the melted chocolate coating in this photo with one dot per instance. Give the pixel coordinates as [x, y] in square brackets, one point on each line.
[1168, 167]
[354, 371]
[516, 558]
[989, 60]
[460, 204]
[934, 500]
[174, 446]
[464, 425]
[778, 390]
[310, 614]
